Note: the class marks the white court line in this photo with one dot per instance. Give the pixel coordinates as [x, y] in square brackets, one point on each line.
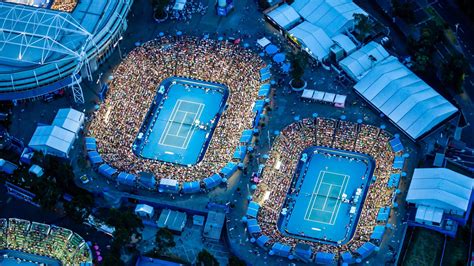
[197, 116]
[312, 197]
[339, 202]
[169, 123]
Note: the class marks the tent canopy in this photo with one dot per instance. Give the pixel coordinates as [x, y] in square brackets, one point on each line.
[94, 157]
[378, 232]
[253, 227]
[440, 188]
[126, 178]
[281, 249]
[396, 145]
[324, 258]
[52, 140]
[284, 16]
[429, 214]
[252, 209]
[357, 64]
[229, 169]
[403, 97]
[313, 38]
[106, 170]
[263, 42]
[91, 144]
[69, 119]
[262, 240]
[345, 43]
[212, 181]
[144, 210]
[365, 250]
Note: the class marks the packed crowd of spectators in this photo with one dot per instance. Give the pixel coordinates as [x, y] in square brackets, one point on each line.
[116, 125]
[44, 240]
[64, 5]
[280, 167]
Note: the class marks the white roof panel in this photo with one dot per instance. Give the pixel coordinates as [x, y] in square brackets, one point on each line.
[313, 38]
[285, 16]
[402, 96]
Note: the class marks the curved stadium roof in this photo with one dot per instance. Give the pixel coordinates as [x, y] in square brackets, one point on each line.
[40, 47]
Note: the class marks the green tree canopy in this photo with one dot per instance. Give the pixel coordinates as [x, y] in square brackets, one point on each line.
[206, 259]
[164, 240]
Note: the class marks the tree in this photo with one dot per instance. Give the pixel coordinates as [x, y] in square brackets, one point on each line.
[206, 259]
[405, 10]
[454, 71]
[235, 261]
[263, 4]
[164, 240]
[159, 8]
[80, 206]
[126, 224]
[298, 63]
[362, 26]
[422, 49]
[46, 191]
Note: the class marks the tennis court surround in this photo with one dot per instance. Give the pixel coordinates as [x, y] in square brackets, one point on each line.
[318, 211]
[181, 120]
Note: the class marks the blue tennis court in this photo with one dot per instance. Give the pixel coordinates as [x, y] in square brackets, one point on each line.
[181, 120]
[328, 194]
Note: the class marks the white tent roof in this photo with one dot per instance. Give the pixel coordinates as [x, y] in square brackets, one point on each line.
[307, 93]
[52, 137]
[334, 16]
[402, 96]
[358, 63]
[285, 16]
[69, 119]
[168, 182]
[313, 38]
[430, 214]
[179, 4]
[440, 188]
[143, 208]
[263, 42]
[340, 99]
[345, 43]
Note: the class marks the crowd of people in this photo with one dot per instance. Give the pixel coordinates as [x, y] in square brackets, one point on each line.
[44, 240]
[64, 5]
[116, 124]
[280, 168]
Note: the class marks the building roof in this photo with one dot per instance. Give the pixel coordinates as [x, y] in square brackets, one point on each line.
[214, 225]
[403, 97]
[69, 119]
[332, 16]
[173, 220]
[344, 42]
[52, 138]
[440, 188]
[285, 16]
[314, 38]
[144, 208]
[357, 64]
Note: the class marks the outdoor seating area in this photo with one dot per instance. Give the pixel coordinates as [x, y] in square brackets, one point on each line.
[222, 62]
[268, 200]
[44, 240]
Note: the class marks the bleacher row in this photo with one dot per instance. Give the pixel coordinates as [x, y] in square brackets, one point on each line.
[267, 201]
[44, 240]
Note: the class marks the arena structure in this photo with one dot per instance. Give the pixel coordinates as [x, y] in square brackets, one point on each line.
[180, 112]
[33, 243]
[44, 50]
[326, 191]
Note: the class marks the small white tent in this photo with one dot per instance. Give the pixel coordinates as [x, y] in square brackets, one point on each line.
[69, 119]
[52, 140]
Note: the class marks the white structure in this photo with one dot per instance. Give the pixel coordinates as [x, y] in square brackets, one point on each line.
[36, 170]
[439, 190]
[179, 5]
[332, 16]
[284, 16]
[69, 119]
[312, 39]
[345, 43]
[357, 64]
[52, 140]
[263, 42]
[144, 210]
[404, 98]
[323, 19]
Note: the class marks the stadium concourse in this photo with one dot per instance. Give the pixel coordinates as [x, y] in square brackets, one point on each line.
[116, 125]
[268, 204]
[19, 238]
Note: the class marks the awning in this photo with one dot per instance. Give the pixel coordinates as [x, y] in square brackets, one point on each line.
[246, 137]
[383, 214]
[240, 153]
[106, 170]
[262, 240]
[324, 258]
[264, 90]
[366, 250]
[378, 232]
[94, 157]
[212, 181]
[191, 187]
[91, 144]
[398, 162]
[396, 145]
[252, 209]
[229, 169]
[126, 179]
[253, 227]
[394, 180]
[262, 42]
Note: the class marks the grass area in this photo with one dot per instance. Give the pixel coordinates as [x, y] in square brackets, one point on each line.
[424, 249]
[457, 249]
